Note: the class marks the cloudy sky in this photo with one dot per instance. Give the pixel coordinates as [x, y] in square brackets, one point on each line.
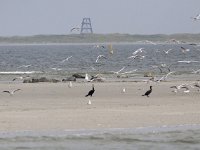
[32, 17]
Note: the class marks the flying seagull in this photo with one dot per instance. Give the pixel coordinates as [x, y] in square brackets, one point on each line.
[66, 59]
[163, 78]
[24, 66]
[183, 49]
[197, 17]
[196, 71]
[100, 56]
[140, 50]
[187, 61]
[12, 92]
[75, 28]
[167, 51]
[117, 72]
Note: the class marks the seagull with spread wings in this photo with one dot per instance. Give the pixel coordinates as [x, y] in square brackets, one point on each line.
[100, 56]
[12, 92]
[197, 17]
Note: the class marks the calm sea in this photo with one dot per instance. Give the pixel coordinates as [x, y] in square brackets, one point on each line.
[50, 60]
[185, 137]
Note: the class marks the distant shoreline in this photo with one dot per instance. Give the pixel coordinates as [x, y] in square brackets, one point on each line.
[99, 38]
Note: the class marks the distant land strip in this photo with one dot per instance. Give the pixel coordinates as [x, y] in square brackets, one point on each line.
[99, 38]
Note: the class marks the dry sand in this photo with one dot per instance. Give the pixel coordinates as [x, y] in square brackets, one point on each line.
[54, 106]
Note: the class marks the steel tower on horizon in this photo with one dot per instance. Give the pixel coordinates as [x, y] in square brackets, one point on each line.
[86, 26]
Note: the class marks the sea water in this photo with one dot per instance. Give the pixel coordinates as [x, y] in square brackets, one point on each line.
[50, 60]
[47, 60]
[147, 138]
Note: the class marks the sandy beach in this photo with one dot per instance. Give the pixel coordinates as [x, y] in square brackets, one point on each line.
[54, 106]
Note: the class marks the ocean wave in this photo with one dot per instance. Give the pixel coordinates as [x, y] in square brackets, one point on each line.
[19, 72]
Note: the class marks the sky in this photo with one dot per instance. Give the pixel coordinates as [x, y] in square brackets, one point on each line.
[34, 17]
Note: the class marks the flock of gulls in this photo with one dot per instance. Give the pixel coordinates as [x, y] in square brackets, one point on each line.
[138, 54]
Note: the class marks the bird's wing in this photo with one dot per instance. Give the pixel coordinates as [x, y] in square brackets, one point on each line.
[16, 90]
[7, 92]
[68, 57]
[97, 59]
[121, 69]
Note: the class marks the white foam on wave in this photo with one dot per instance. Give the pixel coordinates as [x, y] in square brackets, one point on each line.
[18, 72]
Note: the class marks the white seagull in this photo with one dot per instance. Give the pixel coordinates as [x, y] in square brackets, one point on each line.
[182, 86]
[197, 17]
[100, 56]
[117, 72]
[187, 61]
[21, 78]
[196, 71]
[123, 90]
[66, 59]
[24, 66]
[140, 50]
[12, 92]
[70, 84]
[163, 78]
[183, 49]
[89, 102]
[167, 51]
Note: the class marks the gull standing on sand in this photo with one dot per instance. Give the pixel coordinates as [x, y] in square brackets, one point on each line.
[123, 90]
[197, 85]
[12, 92]
[21, 78]
[87, 77]
[89, 102]
[182, 86]
[70, 84]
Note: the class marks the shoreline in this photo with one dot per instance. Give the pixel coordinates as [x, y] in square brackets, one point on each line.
[89, 132]
[54, 106]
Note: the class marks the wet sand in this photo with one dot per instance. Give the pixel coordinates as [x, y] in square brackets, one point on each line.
[54, 106]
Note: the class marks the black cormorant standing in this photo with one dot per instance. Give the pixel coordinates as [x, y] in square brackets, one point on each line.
[148, 92]
[90, 92]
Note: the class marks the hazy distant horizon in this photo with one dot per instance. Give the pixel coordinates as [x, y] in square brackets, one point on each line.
[57, 17]
[10, 36]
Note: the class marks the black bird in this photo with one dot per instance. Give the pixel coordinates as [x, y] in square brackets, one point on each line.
[90, 92]
[148, 92]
